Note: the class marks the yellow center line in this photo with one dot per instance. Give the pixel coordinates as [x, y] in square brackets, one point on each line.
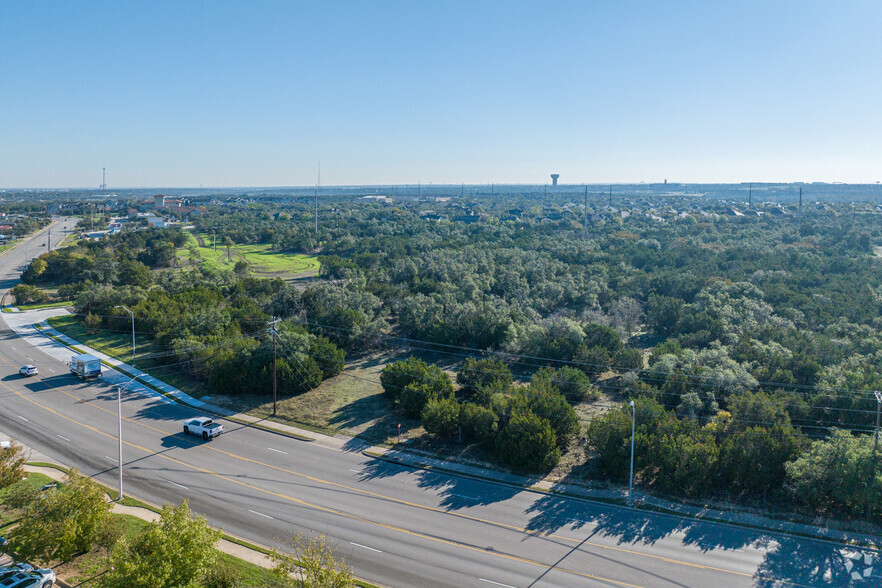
[388, 498]
[423, 506]
[315, 506]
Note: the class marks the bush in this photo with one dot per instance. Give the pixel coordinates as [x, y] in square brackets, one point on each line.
[25, 294]
[441, 417]
[551, 405]
[223, 575]
[328, 357]
[395, 377]
[628, 358]
[483, 373]
[92, 322]
[414, 398]
[528, 443]
[478, 423]
[574, 384]
[593, 360]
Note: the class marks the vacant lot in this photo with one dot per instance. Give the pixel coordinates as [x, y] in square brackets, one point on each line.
[261, 259]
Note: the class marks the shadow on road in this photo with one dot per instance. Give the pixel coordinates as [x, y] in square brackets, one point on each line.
[787, 560]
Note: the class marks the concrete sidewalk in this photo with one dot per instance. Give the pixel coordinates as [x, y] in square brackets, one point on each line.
[59, 346]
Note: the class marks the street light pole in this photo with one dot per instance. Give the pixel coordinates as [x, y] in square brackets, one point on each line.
[133, 331]
[631, 480]
[119, 436]
[878, 407]
[119, 390]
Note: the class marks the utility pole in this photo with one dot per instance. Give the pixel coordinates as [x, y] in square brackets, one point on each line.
[273, 331]
[610, 196]
[878, 407]
[631, 479]
[49, 241]
[799, 212]
[214, 237]
[749, 196]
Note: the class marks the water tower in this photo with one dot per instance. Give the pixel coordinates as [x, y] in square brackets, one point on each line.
[554, 179]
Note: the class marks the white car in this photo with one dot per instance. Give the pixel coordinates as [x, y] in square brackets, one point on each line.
[203, 426]
[42, 578]
[29, 370]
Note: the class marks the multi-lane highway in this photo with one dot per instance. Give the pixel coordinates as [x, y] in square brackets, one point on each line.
[394, 525]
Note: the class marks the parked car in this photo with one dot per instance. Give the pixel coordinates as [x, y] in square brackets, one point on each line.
[28, 370]
[42, 578]
[203, 426]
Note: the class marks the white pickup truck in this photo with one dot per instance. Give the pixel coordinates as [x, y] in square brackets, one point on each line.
[203, 426]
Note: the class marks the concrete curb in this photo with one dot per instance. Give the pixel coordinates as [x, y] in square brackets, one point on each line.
[645, 503]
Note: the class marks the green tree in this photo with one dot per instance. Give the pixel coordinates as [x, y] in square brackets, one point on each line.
[229, 243]
[482, 373]
[839, 474]
[396, 376]
[329, 358]
[64, 522]
[313, 563]
[176, 551]
[34, 272]
[26, 294]
[441, 417]
[12, 461]
[478, 422]
[528, 443]
[574, 384]
[240, 268]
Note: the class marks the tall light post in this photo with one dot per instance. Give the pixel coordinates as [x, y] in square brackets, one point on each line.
[631, 480]
[119, 390]
[133, 331]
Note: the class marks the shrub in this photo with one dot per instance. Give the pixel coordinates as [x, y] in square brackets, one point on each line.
[483, 373]
[441, 417]
[478, 423]
[328, 357]
[414, 397]
[574, 384]
[25, 294]
[528, 443]
[395, 377]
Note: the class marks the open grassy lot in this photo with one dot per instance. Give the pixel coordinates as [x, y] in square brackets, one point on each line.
[119, 345]
[261, 259]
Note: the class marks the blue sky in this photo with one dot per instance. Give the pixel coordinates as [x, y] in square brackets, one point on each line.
[256, 93]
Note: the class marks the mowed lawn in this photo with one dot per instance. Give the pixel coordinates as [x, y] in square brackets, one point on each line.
[261, 259]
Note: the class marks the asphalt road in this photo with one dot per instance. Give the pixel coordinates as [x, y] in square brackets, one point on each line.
[394, 525]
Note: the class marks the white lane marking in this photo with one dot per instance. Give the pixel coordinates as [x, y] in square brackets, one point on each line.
[277, 450]
[51, 370]
[259, 513]
[24, 419]
[370, 548]
[63, 437]
[463, 496]
[13, 348]
[496, 583]
[111, 459]
[356, 471]
[176, 484]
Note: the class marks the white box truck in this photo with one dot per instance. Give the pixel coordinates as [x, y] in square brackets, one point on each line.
[85, 366]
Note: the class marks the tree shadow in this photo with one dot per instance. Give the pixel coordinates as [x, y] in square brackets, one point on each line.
[803, 562]
[458, 492]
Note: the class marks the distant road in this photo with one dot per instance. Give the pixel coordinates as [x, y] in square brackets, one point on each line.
[394, 525]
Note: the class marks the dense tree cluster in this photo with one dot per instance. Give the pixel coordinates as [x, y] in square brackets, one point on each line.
[211, 325]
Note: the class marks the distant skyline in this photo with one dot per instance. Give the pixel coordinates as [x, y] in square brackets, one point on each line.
[227, 94]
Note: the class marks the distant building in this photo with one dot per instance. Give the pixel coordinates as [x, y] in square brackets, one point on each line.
[554, 179]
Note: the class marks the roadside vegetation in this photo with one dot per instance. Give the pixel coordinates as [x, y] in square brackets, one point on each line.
[70, 527]
[749, 344]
